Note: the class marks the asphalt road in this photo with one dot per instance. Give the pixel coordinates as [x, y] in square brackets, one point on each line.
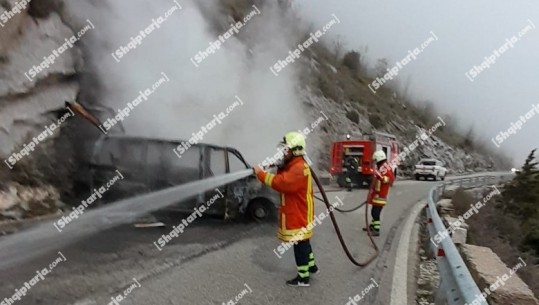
[214, 262]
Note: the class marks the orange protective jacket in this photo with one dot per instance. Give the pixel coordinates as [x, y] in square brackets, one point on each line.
[296, 213]
[382, 180]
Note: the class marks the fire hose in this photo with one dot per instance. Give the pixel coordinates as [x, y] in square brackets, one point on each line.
[338, 230]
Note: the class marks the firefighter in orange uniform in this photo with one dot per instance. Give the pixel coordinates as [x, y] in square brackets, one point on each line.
[296, 214]
[383, 178]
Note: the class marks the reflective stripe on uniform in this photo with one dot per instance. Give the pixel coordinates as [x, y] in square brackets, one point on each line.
[376, 224]
[378, 200]
[311, 260]
[386, 179]
[269, 179]
[377, 185]
[310, 204]
[292, 235]
[303, 271]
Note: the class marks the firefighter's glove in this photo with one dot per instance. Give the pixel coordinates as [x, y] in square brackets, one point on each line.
[257, 169]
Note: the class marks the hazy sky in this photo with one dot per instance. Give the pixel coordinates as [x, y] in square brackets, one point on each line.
[467, 33]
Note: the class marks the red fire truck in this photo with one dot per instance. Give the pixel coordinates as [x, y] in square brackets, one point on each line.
[361, 149]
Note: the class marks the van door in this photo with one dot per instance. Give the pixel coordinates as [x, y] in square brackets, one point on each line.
[237, 191]
[165, 169]
[215, 165]
[124, 158]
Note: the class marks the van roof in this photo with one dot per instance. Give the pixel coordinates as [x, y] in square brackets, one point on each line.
[174, 141]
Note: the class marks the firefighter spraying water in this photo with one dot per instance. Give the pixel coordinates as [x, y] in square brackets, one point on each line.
[294, 181]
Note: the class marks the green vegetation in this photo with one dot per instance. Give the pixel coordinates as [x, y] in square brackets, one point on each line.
[521, 200]
[351, 60]
[509, 224]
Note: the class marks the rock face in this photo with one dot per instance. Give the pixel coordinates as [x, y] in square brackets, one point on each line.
[18, 201]
[491, 273]
[354, 118]
[31, 100]
[36, 78]
[445, 205]
[28, 102]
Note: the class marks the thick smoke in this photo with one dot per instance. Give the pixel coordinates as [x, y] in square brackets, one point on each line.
[195, 94]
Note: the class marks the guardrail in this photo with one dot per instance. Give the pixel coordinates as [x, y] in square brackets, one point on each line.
[457, 286]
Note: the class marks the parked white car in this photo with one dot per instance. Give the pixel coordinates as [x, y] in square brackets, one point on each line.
[430, 168]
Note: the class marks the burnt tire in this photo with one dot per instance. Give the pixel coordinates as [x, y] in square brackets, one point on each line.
[260, 209]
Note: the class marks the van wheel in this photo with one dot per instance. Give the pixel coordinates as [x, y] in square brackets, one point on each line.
[260, 209]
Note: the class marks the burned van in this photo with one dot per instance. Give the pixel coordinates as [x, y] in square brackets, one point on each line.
[148, 165]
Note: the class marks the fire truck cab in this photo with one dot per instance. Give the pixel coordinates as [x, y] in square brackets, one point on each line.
[362, 150]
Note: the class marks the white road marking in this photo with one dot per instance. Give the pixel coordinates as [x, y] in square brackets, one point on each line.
[399, 290]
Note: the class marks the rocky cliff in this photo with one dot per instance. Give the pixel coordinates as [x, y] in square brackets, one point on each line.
[29, 101]
[41, 68]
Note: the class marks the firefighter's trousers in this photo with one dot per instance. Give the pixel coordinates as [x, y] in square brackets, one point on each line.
[304, 256]
[376, 212]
